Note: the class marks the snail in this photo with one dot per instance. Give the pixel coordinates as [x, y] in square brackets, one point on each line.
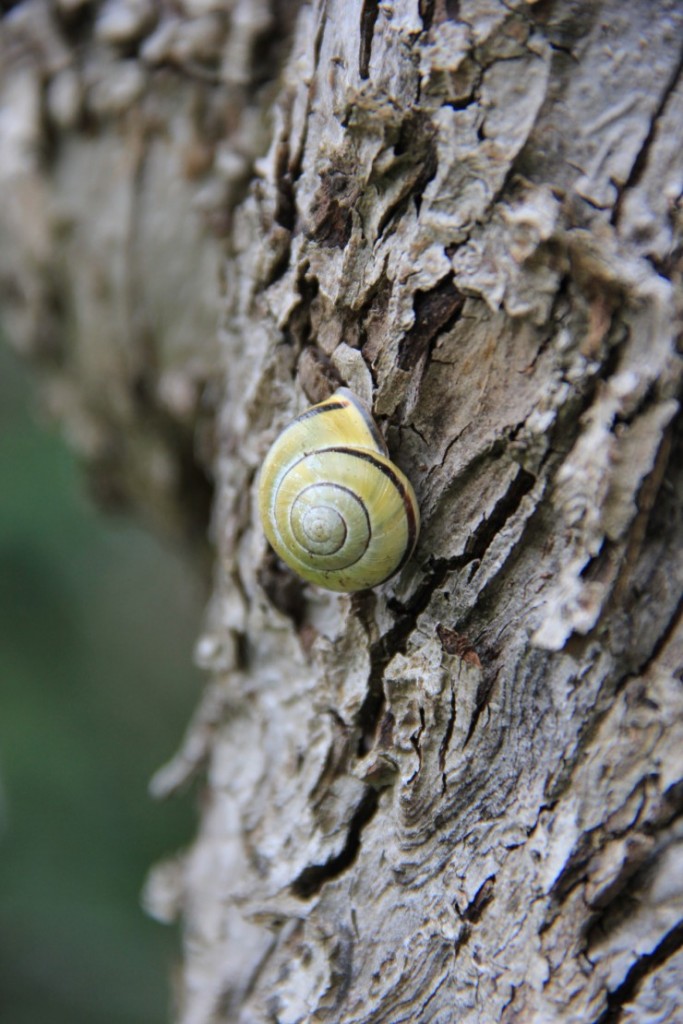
[333, 505]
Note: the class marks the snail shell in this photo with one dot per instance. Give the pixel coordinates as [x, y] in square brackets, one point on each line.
[333, 505]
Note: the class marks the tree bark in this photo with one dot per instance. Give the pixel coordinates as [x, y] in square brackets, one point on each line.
[458, 797]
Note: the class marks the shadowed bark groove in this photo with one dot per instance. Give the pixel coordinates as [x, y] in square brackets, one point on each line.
[456, 798]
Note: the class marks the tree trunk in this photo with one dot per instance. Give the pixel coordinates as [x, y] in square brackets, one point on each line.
[457, 797]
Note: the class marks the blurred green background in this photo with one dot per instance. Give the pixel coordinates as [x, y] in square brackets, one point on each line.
[97, 626]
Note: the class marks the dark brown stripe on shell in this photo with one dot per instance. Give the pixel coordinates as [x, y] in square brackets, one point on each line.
[316, 410]
[345, 394]
[388, 472]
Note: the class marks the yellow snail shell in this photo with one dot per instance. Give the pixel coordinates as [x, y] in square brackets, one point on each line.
[333, 505]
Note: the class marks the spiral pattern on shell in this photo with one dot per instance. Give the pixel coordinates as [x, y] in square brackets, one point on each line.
[333, 505]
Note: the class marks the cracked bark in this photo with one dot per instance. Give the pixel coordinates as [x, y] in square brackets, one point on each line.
[458, 797]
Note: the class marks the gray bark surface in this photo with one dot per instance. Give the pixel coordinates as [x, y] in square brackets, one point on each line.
[456, 798]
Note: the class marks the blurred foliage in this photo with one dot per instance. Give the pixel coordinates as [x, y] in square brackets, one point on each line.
[97, 625]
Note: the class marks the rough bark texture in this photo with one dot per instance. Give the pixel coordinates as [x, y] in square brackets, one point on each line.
[457, 798]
